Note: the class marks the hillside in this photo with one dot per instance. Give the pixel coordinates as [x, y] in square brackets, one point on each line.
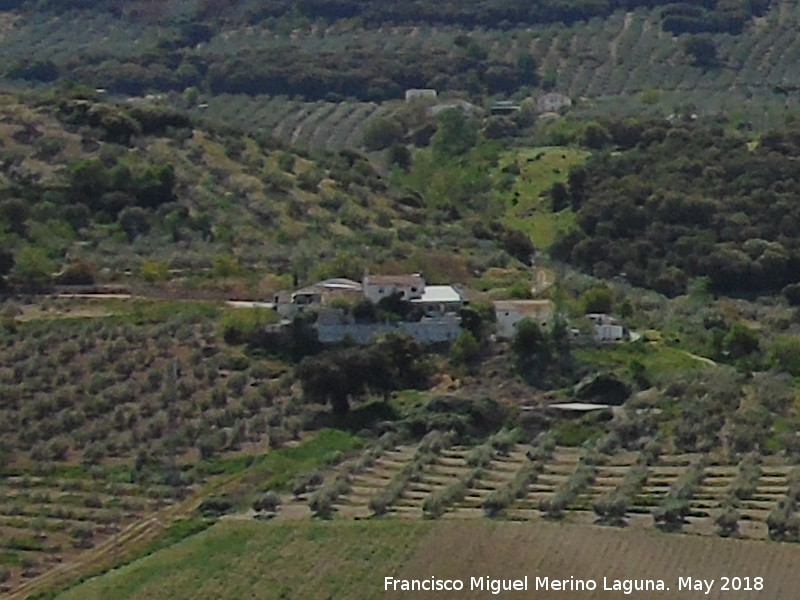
[313, 77]
[267, 560]
[125, 193]
[667, 208]
[592, 211]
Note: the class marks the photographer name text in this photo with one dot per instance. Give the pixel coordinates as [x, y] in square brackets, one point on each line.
[573, 584]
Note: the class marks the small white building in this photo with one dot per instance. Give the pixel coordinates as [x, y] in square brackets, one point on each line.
[378, 287]
[440, 300]
[510, 312]
[607, 329]
[417, 94]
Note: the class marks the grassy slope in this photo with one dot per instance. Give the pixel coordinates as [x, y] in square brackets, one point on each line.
[315, 560]
[526, 208]
[658, 360]
[266, 560]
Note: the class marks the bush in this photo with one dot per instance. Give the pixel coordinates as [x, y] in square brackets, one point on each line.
[497, 502]
[79, 272]
[270, 502]
[304, 482]
[728, 522]
[215, 506]
[154, 271]
[746, 483]
[671, 515]
[611, 509]
[239, 325]
[480, 456]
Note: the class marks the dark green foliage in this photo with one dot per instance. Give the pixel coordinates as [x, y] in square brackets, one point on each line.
[468, 418]
[702, 50]
[728, 522]
[394, 362]
[566, 493]
[134, 221]
[44, 71]
[542, 358]
[714, 209]
[740, 341]
[110, 190]
[215, 506]
[382, 132]
[745, 485]
[294, 342]
[598, 299]
[455, 133]
[671, 515]
[304, 482]
[466, 349]
[78, 273]
[270, 501]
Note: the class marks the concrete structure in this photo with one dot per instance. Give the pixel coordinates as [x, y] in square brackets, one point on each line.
[607, 329]
[440, 300]
[510, 312]
[504, 108]
[334, 326]
[578, 406]
[377, 287]
[423, 94]
[552, 102]
[322, 293]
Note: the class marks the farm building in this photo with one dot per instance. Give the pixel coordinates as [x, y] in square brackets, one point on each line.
[377, 287]
[322, 293]
[420, 94]
[607, 329]
[510, 312]
[334, 325]
[440, 300]
[504, 108]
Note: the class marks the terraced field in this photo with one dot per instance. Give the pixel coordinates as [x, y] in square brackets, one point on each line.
[555, 477]
[47, 521]
[604, 65]
[308, 125]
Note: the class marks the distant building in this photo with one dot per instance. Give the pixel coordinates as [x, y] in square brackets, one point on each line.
[504, 108]
[417, 94]
[510, 312]
[322, 293]
[440, 300]
[607, 329]
[378, 287]
[552, 102]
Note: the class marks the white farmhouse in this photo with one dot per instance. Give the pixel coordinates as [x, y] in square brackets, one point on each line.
[439, 300]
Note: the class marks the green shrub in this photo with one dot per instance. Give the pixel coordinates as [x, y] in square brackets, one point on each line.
[270, 501]
[239, 325]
